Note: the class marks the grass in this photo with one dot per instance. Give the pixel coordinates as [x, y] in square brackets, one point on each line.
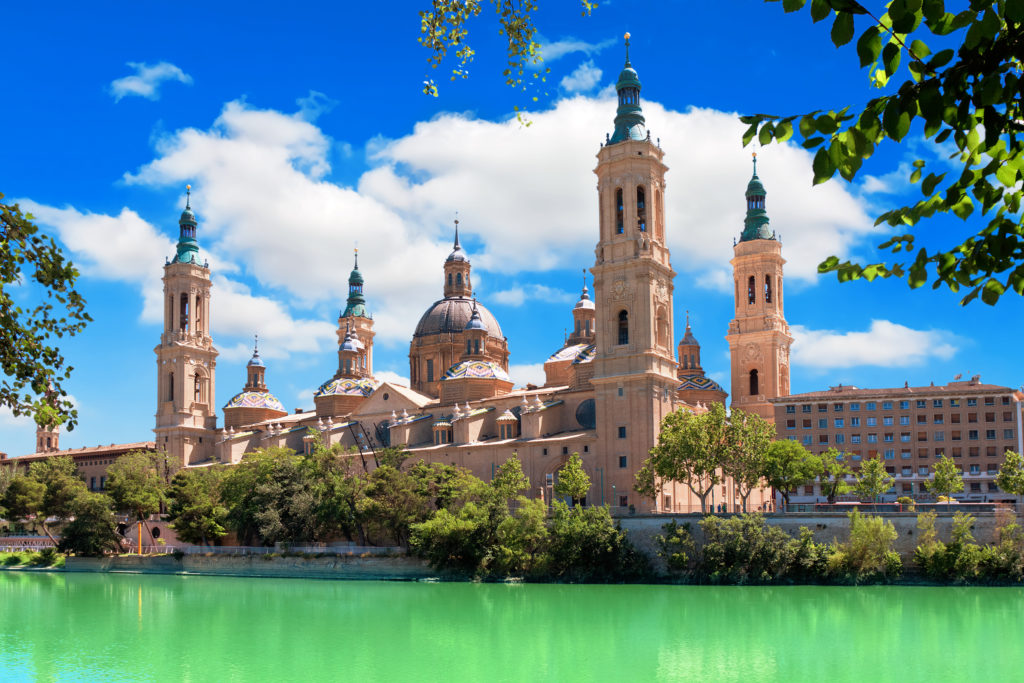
[45, 558]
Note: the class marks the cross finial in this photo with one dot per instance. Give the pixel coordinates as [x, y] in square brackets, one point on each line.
[626, 36]
[456, 229]
[355, 251]
[754, 155]
[687, 319]
[188, 196]
[256, 345]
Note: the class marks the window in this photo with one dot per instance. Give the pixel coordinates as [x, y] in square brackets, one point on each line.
[922, 436]
[975, 469]
[1007, 416]
[751, 286]
[840, 438]
[872, 438]
[954, 403]
[838, 422]
[955, 435]
[622, 461]
[1007, 433]
[855, 438]
[890, 454]
[641, 209]
[937, 419]
[972, 417]
[923, 470]
[545, 452]
[170, 386]
[921, 404]
[973, 452]
[807, 439]
[904, 420]
[823, 423]
[822, 407]
[905, 455]
[990, 434]
[790, 424]
[806, 423]
[823, 438]
[958, 452]
[1006, 400]
[939, 452]
[972, 402]
[940, 436]
[837, 407]
[937, 403]
[623, 327]
[790, 410]
[753, 383]
[623, 501]
[887, 420]
[622, 432]
[992, 468]
[922, 419]
[886, 405]
[854, 406]
[767, 289]
[990, 400]
[855, 422]
[990, 417]
[103, 483]
[618, 211]
[904, 405]
[620, 392]
[430, 369]
[565, 450]
[872, 421]
[805, 409]
[888, 437]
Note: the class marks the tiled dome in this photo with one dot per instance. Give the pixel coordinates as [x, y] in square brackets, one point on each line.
[449, 316]
[585, 355]
[568, 352]
[700, 382]
[346, 387]
[256, 399]
[477, 369]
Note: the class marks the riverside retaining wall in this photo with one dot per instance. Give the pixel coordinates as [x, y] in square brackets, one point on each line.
[397, 568]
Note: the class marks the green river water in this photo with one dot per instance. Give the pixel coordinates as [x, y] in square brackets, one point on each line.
[101, 627]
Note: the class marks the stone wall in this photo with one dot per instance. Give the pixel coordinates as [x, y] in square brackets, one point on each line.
[340, 567]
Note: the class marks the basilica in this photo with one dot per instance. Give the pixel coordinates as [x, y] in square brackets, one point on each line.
[607, 389]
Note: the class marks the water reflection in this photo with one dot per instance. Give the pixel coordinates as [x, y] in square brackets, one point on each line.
[133, 627]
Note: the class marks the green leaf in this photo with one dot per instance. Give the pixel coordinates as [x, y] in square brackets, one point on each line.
[915, 176]
[1007, 175]
[826, 124]
[749, 134]
[1014, 11]
[991, 292]
[811, 143]
[783, 131]
[792, 5]
[819, 10]
[928, 186]
[940, 60]
[920, 49]
[766, 134]
[891, 58]
[963, 208]
[842, 29]
[933, 10]
[823, 166]
[869, 45]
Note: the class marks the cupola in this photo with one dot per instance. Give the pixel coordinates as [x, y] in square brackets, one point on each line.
[188, 246]
[755, 225]
[629, 118]
[457, 271]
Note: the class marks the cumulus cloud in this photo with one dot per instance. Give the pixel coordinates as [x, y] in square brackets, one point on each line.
[885, 344]
[583, 79]
[392, 377]
[560, 48]
[517, 296]
[527, 373]
[146, 80]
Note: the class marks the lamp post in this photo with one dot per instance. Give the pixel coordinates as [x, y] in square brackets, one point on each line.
[1018, 396]
[615, 501]
[601, 470]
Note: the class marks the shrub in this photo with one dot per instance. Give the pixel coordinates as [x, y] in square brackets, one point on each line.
[676, 546]
[46, 557]
[586, 545]
[744, 549]
[869, 554]
[907, 502]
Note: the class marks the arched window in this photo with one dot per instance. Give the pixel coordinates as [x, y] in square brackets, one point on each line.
[685, 365]
[198, 389]
[170, 386]
[469, 347]
[458, 279]
[693, 360]
[767, 289]
[623, 327]
[618, 211]
[661, 327]
[48, 443]
[578, 323]
[184, 313]
[641, 209]
[199, 315]
[753, 383]
[588, 328]
[476, 346]
[449, 279]
[751, 293]
[659, 217]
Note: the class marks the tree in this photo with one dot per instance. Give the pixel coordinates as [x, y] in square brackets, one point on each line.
[23, 498]
[691, 449]
[833, 474]
[873, 480]
[443, 27]
[966, 96]
[509, 481]
[392, 502]
[395, 456]
[135, 483]
[195, 510]
[38, 302]
[750, 437]
[788, 464]
[7, 474]
[62, 488]
[573, 481]
[1011, 474]
[946, 478]
[92, 532]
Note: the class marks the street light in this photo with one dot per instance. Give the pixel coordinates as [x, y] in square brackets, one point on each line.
[615, 500]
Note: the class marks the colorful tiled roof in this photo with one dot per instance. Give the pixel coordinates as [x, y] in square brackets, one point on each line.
[476, 369]
[255, 399]
[568, 352]
[586, 355]
[346, 387]
[700, 382]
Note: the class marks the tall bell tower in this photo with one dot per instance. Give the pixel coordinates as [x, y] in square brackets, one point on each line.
[634, 364]
[186, 360]
[759, 338]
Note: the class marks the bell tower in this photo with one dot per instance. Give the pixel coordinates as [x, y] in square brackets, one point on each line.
[186, 359]
[759, 338]
[634, 365]
[356, 322]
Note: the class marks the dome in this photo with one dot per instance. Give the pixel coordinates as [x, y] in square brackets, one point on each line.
[449, 316]
[351, 343]
[256, 399]
[187, 216]
[475, 322]
[345, 387]
[584, 303]
[355, 277]
[585, 355]
[568, 352]
[256, 360]
[628, 78]
[701, 383]
[457, 255]
[476, 369]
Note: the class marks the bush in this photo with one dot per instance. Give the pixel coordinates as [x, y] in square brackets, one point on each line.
[907, 502]
[869, 554]
[47, 557]
[586, 545]
[744, 549]
[676, 546]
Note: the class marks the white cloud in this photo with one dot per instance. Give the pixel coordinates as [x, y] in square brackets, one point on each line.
[393, 377]
[314, 104]
[517, 296]
[146, 80]
[583, 79]
[560, 48]
[885, 344]
[527, 373]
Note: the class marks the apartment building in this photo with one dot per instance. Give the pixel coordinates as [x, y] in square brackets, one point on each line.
[909, 428]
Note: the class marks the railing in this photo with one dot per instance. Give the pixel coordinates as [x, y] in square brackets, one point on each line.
[15, 544]
[296, 549]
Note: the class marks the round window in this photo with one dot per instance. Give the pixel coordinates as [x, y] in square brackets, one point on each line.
[386, 396]
[586, 414]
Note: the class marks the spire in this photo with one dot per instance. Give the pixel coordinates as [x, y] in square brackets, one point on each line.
[688, 337]
[755, 225]
[629, 119]
[585, 301]
[458, 254]
[355, 305]
[457, 230]
[256, 360]
[188, 247]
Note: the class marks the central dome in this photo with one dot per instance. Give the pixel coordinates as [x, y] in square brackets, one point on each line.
[449, 316]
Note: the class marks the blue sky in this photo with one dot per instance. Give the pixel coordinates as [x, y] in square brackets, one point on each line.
[303, 131]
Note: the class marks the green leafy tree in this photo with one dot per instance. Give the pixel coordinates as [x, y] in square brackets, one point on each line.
[33, 268]
[448, 486]
[788, 465]
[195, 509]
[393, 456]
[393, 504]
[749, 437]
[586, 545]
[7, 474]
[62, 487]
[93, 530]
[869, 551]
[573, 482]
[136, 484]
[834, 469]
[1011, 474]
[965, 97]
[946, 479]
[444, 28]
[509, 481]
[23, 499]
[691, 449]
[268, 498]
[873, 480]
